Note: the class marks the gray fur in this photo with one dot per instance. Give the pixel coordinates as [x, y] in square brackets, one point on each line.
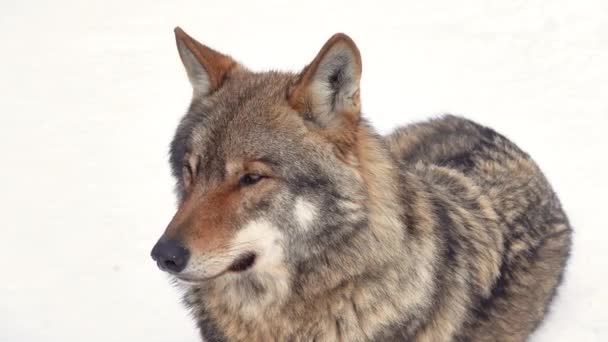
[441, 231]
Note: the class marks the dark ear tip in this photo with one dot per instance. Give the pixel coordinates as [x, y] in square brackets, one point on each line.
[340, 36]
[343, 37]
[179, 33]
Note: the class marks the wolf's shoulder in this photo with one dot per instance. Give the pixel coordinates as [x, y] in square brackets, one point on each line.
[451, 141]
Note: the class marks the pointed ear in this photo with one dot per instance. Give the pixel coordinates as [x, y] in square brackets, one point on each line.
[206, 67]
[328, 88]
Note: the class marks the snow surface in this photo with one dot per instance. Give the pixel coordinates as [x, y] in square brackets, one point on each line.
[90, 94]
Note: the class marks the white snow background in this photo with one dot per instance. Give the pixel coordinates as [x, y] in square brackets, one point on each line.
[91, 92]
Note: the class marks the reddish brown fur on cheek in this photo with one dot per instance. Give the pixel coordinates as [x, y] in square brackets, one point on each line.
[208, 219]
[206, 222]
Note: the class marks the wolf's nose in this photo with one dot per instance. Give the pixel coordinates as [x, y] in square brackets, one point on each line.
[170, 255]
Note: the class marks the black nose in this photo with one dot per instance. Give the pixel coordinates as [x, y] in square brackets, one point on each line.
[170, 255]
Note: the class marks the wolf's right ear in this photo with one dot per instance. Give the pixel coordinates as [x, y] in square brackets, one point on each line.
[206, 67]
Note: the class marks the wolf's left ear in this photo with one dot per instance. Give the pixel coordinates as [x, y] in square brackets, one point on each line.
[206, 67]
[328, 88]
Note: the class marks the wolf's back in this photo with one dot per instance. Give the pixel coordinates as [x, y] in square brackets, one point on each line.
[507, 227]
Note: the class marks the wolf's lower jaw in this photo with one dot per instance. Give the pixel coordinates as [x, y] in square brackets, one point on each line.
[183, 281]
[241, 264]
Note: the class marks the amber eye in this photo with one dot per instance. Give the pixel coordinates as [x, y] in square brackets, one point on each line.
[250, 179]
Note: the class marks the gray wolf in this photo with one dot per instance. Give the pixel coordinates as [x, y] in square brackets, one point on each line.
[298, 222]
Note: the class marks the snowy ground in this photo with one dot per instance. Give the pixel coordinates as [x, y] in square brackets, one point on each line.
[90, 93]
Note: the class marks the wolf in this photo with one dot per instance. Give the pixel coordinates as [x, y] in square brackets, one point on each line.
[297, 221]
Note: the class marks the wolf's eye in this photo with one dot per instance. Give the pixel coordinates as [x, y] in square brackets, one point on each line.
[250, 179]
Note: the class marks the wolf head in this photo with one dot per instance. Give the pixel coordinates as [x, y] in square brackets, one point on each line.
[266, 163]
